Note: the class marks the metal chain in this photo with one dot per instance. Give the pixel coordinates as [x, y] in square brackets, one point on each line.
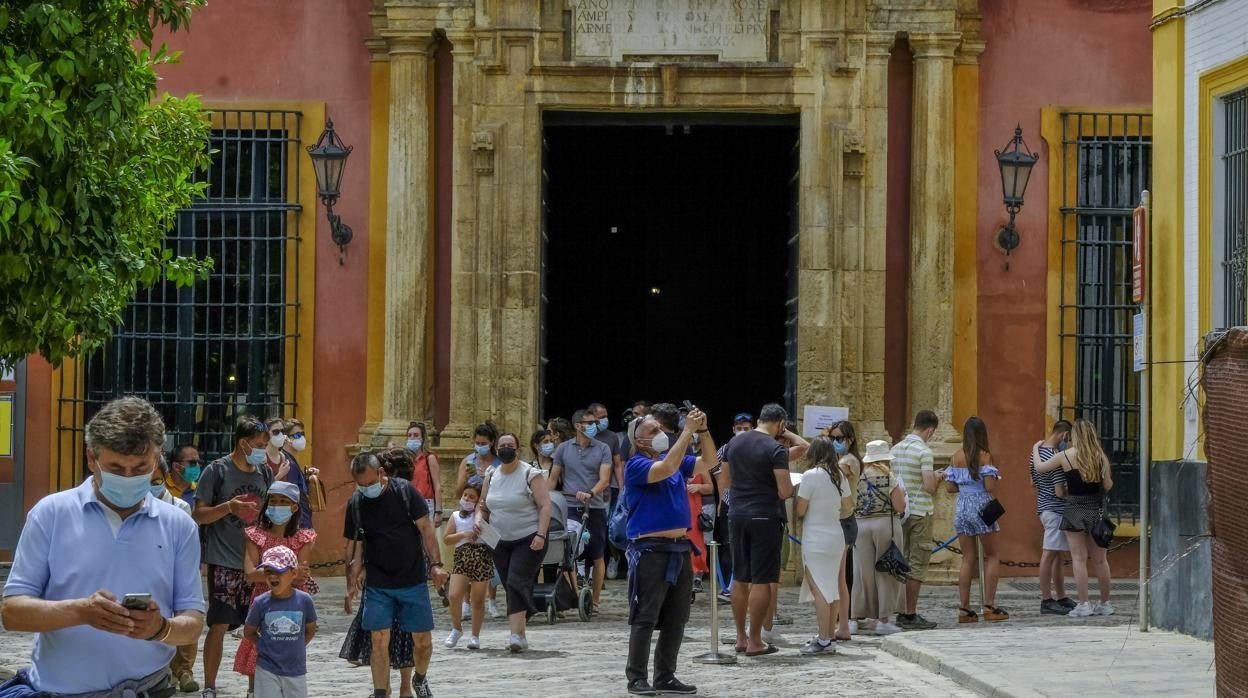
[323, 565]
[1015, 563]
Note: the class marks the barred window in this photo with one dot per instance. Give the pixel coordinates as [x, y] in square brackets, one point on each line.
[208, 353]
[1108, 160]
[1233, 190]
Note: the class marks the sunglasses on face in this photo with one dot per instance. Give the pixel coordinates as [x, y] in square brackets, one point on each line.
[297, 435]
[838, 439]
[188, 463]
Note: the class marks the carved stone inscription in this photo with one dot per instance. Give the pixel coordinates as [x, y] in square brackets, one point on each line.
[728, 30]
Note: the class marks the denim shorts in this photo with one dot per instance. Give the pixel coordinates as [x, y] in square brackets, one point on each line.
[409, 605]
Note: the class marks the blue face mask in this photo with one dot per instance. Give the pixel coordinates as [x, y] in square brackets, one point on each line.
[124, 492]
[158, 491]
[256, 457]
[840, 447]
[414, 444]
[548, 449]
[1062, 446]
[482, 449]
[191, 474]
[372, 491]
[603, 423]
[591, 430]
[280, 515]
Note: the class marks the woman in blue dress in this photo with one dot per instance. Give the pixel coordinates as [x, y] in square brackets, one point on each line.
[974, 478]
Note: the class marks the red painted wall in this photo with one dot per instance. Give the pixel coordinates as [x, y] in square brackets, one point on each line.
[1087, 53]
[897, 258]
[277, 50]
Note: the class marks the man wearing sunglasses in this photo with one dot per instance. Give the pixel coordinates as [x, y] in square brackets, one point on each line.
[184, 470]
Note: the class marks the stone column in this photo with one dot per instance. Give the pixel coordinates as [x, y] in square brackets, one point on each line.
[409, 237]
[931, 229]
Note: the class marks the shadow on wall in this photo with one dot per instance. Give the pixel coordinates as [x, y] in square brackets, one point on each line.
[1181, 588]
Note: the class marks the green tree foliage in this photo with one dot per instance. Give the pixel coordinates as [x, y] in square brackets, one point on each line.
[92, 168]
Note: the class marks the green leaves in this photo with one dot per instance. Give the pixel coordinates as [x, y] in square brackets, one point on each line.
[92, 169]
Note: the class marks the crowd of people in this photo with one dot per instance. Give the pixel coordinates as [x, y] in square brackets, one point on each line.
[661, 487]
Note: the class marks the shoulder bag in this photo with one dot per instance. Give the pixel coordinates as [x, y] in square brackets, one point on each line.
[1102, 531]
[892, 561]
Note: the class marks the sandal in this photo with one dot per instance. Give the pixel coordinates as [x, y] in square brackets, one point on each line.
[966, 615]
[992, 614]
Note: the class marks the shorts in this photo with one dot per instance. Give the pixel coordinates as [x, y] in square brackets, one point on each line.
[229, 597]
[1054, 538]
[270, 685]
[410, 605]
[474, 561]
[918, 549]
[596, 548]
[849, 528]
[756, 549]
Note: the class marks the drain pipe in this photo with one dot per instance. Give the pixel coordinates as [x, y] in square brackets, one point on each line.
[1145, 413]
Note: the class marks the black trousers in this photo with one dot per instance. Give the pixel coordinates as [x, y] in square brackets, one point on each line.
[663, 606]
[517, 566]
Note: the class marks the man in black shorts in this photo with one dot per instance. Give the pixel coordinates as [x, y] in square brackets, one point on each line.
[757, 463]
[585, 465]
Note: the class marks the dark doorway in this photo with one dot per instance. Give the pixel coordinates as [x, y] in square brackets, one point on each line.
[669, 252]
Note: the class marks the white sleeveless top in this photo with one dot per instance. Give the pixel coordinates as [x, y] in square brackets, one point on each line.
[463, 524]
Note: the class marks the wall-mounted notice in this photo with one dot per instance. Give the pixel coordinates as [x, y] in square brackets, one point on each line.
[816, 418]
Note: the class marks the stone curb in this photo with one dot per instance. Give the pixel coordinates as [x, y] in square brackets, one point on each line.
[961, 672]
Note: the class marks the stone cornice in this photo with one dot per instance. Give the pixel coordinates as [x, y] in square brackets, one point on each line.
[935, 45]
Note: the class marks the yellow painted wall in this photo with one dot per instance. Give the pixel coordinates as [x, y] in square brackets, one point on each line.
[378, 157]
[965, 279]
[1165, 263]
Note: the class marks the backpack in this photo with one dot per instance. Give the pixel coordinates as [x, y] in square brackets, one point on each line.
[404, 489]
[617, 527]
[219, 465]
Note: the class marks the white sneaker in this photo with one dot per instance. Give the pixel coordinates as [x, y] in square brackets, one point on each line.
[1082, 610]
[853, 627]
[453, 638]
[491, 608]
[1103, 609]
[474, 643]
[517, 643]
[237, 633]
[772, 637]
[886, 628]
[465, 610]
[613, 568]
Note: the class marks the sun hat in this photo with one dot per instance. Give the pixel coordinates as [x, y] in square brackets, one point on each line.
[279, 559]
[877, 450]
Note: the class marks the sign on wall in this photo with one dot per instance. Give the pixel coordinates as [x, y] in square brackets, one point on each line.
[816, 418]
[6, 425]
[1139, 249]
[1139, 345]
[726, 30]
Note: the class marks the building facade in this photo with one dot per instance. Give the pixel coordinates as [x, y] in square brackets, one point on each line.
[546, 195]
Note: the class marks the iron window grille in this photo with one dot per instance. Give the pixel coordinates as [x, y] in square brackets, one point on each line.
[1235, 208]
[1108, 157]
[208, 353]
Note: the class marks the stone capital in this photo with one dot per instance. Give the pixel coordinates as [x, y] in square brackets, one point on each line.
[378, 49]
[935, 46]
[407, 45]
[880, 46]
[970, 51]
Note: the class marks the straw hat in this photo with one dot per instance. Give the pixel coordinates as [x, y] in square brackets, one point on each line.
[877, 451]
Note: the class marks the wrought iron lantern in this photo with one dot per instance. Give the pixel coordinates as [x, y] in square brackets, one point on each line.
[1015, 163]
[329, 159]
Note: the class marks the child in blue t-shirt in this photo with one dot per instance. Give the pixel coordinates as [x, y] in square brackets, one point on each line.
[281, 623]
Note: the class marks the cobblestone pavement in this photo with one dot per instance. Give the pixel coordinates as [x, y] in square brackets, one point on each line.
[574, 658]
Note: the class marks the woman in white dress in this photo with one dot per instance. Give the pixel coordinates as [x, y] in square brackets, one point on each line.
[820, 498]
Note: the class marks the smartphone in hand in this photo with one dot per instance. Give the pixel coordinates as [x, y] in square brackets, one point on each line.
[136, 602]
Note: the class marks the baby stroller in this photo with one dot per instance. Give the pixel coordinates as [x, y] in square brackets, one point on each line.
[561, 550]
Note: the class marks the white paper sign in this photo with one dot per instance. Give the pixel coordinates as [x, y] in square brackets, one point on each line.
[816, 418]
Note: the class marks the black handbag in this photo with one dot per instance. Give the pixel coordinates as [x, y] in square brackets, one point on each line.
[1103, 530]
[705, 522]
[892, 561]
[992, 511]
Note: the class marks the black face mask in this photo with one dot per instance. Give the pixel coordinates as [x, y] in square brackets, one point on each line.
[507, 453]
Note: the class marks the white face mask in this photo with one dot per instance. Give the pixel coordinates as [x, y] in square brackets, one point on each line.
[660, 442]
[299, 443]
[277, 440]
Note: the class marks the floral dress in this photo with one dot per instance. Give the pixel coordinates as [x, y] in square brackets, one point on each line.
[245, 659]
[971, 500]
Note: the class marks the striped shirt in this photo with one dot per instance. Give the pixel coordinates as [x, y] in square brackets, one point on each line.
[1046, 500]
[911, 458]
